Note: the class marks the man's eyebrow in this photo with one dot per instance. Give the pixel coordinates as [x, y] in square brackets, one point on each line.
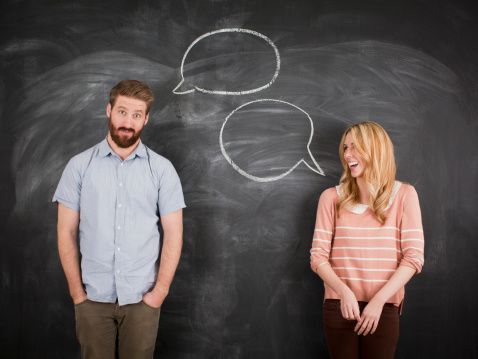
[124, 108]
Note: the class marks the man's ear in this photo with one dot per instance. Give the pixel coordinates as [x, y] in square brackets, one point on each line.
[147, 119]
[108, 110]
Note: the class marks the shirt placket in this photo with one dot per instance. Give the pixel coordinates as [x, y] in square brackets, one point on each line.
[119, 217]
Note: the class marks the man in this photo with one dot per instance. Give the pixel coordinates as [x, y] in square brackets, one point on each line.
[112, 196]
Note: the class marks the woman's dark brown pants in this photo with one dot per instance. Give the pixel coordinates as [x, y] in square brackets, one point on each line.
[103, 327]
[344, 343]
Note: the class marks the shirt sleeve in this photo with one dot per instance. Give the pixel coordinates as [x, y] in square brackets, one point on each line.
[171, 196]
[69, 188]
[323, 232]
[411, 233]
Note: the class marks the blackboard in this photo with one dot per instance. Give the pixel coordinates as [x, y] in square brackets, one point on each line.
[243, 288]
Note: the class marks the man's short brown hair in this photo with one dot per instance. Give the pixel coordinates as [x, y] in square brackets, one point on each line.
[132, 88]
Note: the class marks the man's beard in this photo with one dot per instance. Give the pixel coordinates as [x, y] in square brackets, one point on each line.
[120, 138]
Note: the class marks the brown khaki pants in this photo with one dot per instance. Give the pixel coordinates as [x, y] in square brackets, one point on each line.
[344, 343]
[104, 328]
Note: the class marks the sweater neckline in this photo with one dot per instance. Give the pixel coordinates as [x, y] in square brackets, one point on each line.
[360, 208]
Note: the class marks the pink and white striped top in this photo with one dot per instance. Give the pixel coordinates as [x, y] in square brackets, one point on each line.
[363, 252]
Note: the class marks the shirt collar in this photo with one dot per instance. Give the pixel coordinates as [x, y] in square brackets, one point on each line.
[360, 208]
[140, 150]
[105, 150]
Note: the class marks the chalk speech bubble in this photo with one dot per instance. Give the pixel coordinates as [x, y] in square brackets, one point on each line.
[178, 91]
[313, 165]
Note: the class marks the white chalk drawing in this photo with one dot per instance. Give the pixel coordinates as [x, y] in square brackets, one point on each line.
[177, 90]
[315, 168]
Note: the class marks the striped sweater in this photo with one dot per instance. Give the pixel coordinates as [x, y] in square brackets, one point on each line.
[361, 251]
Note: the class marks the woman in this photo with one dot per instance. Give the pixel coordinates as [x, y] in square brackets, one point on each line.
[368, 243]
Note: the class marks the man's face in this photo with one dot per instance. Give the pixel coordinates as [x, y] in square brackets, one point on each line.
[126, 120]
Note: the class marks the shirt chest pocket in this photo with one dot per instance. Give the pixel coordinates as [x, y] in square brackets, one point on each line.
[99, 185]
[141, 192]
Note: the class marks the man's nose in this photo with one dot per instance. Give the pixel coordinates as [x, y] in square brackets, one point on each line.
[128, 121]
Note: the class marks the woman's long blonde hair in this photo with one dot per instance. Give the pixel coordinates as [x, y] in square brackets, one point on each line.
[373, 144]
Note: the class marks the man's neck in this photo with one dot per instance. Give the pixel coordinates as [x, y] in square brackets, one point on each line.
[123, 153]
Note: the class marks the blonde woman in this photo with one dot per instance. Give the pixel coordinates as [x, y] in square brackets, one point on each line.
[368, 243]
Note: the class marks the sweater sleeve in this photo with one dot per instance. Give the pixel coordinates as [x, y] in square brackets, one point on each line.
[411, 232]
[324, 231]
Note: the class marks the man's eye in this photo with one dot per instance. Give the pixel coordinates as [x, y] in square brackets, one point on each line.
[137, 115]
[122, 112]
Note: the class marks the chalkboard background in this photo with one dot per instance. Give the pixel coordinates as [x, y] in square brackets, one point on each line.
[243, 288]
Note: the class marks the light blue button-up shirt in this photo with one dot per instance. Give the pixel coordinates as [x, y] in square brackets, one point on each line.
[119, 204]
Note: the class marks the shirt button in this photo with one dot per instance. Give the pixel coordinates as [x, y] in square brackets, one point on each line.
[122, 163]
[119, 249]
[121, 184]
[119, 205]
[119, 227]
[118, 271]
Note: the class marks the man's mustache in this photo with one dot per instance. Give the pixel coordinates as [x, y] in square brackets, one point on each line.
[126, 129]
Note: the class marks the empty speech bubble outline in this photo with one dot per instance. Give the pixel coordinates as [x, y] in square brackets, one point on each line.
[246, 31]
[317, 170]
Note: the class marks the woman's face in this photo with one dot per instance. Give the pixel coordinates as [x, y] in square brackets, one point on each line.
[352, 158]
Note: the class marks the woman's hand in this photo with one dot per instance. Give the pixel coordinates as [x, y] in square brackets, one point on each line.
[349, 305]
[370, 317]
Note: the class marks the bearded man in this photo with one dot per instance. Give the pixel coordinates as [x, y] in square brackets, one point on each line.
[112, 200]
